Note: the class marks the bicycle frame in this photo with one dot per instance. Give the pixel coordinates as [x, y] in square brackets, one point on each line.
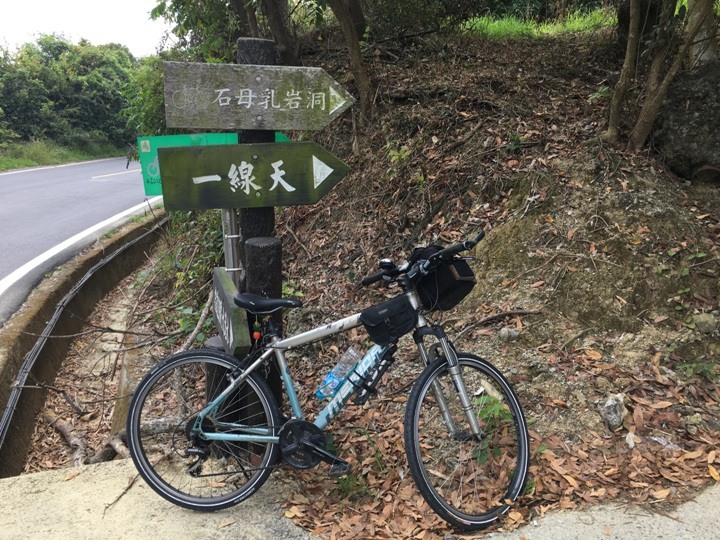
[345, 391]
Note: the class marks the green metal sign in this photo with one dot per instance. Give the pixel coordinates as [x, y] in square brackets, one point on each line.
[248, 175]
[148, 146]
[239, 96]
[230, 320]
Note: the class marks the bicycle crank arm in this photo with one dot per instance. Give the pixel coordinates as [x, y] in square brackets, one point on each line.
[338, 466]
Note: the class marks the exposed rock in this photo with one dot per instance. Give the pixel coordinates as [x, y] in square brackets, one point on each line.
[705, 323]
[614, 411]
[686, 133]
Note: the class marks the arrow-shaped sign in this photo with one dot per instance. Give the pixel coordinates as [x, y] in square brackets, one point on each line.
[239, 96]
[248, 175]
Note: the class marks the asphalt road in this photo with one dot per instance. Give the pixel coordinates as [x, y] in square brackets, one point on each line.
[49, 214]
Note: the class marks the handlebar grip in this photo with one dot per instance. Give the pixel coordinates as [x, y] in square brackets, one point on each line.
[480, 235]
[369, 280]
[462, 246]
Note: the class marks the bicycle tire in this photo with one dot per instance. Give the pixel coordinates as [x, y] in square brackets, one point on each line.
[468, 482]
[159, 432]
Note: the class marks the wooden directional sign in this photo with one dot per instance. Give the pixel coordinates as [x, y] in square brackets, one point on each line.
[148, 147]
[230, 320]
[247, 175]
[238, 96]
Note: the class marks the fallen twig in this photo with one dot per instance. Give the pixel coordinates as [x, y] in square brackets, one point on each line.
[203, 317]
[490, 318]
[71, 437]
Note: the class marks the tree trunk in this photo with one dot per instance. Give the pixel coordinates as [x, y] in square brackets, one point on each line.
[660, 47]
[278, 18]
[704, 47]
[652, 103]
[357, 16]
[249, 8]
[358, 66]
[626, 75]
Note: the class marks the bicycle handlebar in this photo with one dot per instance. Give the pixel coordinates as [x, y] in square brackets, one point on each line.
[457, 248]
[369, 280]
[422, 267]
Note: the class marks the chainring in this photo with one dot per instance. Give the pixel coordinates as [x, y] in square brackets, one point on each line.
[293, 436]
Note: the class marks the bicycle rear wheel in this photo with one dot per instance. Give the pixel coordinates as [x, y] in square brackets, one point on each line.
[174, 458]
[467, 480]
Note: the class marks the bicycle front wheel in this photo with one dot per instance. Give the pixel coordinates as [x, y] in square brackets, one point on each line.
[469, 480]
[168, 444]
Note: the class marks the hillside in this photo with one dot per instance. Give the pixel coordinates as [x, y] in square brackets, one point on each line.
[598, 277]
[618, 255]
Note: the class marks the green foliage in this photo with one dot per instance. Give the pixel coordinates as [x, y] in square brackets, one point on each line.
[513, 26]
[144, 95]
[707, 370]
[603, 93]
[290, 289]
[16, 154]
[494, 416]
[198, 248]
[207, 30]
[69, 93]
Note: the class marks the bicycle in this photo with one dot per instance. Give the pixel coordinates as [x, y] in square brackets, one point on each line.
[205, 432]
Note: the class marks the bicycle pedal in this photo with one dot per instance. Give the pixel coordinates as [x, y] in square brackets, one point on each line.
[339, 468]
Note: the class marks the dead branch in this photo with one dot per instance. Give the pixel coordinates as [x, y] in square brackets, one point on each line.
[70, 435]
[115, 446]
[493, 317]
[299, 243]
[203, 317]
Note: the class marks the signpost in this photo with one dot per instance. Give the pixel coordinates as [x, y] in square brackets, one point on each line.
[231, 322]
[253, 176]
[248, 175]
[237, 96]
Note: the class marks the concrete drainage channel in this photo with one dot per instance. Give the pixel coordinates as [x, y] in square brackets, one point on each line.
[34, 342]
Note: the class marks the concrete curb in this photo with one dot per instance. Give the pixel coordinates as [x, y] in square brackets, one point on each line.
[695, 519]
[21, 332]
[95, 502]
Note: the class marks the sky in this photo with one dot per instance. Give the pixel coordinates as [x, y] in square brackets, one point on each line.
[99, 21]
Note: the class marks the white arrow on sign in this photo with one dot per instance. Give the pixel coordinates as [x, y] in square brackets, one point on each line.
[320, 171]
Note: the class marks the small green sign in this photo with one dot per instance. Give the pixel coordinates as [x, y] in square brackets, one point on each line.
[248, 175]
[148, 146]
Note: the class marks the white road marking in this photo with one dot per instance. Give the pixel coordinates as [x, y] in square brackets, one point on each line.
[115, 174]
[21, 272]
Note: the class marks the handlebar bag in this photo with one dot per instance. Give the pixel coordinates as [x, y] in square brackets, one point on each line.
[388, 321]
[446, 286]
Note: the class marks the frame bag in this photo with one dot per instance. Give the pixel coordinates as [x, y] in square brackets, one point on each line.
[389, 321]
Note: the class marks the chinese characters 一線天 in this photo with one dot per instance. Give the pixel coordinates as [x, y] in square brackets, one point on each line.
[242, 178]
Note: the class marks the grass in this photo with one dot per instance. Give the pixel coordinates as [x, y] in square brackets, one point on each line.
[515, 27]
[39, 153]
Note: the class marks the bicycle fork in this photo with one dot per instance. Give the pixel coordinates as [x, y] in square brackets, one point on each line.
[456, 377]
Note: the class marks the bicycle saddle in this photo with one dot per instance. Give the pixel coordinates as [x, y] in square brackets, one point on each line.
[260, 305]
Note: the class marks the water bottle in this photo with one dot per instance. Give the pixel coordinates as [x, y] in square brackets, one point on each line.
[337, 375]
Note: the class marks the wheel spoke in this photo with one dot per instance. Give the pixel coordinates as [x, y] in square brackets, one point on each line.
[466, 479]
[165, 432]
